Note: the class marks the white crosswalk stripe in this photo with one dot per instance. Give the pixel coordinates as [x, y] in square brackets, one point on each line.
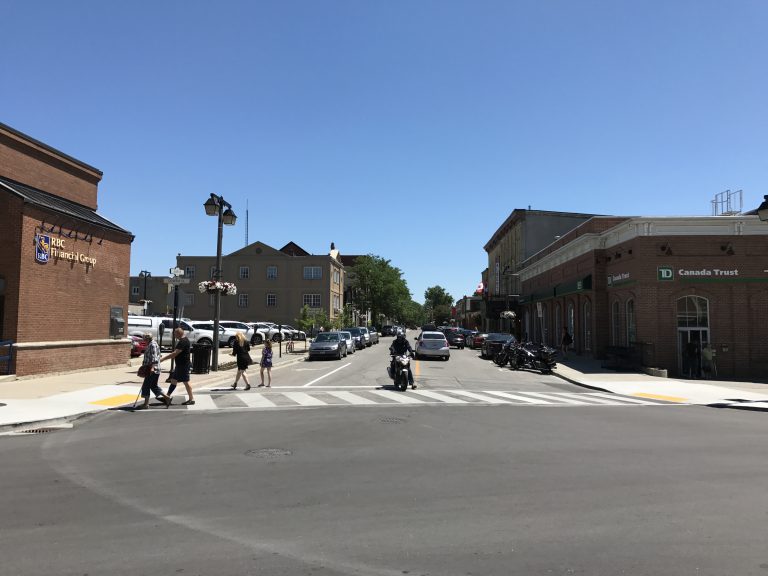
[381, 397]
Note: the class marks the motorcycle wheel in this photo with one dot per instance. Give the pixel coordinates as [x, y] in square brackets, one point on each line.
[500, 359]
[403, 384]
[513, 363]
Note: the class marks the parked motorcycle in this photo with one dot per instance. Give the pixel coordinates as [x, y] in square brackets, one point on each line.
[399, 370]
[532, 356]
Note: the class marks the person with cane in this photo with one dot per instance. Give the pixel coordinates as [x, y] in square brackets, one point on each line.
[150, 366]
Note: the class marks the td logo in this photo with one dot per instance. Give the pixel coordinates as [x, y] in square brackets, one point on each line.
[665, 273]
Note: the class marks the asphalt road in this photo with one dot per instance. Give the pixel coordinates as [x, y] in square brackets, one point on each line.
[433, 489]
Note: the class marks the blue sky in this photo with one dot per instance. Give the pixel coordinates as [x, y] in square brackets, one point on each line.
[408, 129]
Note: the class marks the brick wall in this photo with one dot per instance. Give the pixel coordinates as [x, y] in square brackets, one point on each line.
[66, 358]
[35, 165]
[10, 247]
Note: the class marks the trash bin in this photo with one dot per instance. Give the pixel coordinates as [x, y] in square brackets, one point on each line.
[201, 358]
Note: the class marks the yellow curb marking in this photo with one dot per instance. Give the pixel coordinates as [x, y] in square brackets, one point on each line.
[660, 397]
[416, 368]
[115, 400]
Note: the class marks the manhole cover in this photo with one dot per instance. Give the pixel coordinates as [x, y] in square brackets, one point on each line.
[268, 453]
[391, 420]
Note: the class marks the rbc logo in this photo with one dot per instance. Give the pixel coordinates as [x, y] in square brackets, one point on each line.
[42, 248]
[665, 273]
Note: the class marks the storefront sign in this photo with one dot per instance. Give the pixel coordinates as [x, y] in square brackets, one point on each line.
[616, 278]
[666, 273]
[47, 247]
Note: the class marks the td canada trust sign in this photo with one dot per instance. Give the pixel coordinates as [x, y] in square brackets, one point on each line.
[47, 247]
[667, 273]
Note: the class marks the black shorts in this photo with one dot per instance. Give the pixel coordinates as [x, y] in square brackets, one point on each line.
[180, 373]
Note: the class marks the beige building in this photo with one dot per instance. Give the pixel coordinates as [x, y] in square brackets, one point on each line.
[272, 285]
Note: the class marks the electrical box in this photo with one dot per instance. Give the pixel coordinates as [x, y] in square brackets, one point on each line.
[116, 322]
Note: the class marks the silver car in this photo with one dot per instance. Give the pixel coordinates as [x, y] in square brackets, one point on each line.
[328, 345]
[432, 345]
[347, 336]
[374, 335]
[366, 336]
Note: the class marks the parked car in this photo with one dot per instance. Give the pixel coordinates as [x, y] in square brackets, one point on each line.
[455, 338]
[367, 336]
[477, 340]
[271, 331]
[493, 344]
[328, 345]
[248, 331]
[374, 335]
[388, 330]
[225, 334]
[138, 346]
[357, 336]
[432, 345]
[296, 334]
[351, 348]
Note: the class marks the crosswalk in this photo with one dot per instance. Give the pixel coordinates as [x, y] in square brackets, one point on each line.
[282, 399]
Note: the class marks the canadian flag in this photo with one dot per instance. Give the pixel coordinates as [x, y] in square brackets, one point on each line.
[480, 288]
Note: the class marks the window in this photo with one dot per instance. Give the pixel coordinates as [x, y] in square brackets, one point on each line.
[242, 300]
[245, 272]
[336, 302]
[587, 326]
[271, 299]
[313, 273]
[336, 276]
[189, 299]
[312, 300]
[570, 320]
[212, 273]
[558, 322]
[271, 272]
[631, 327]
[692, 312]
[189, 272]
[134, 290]
[615, 325]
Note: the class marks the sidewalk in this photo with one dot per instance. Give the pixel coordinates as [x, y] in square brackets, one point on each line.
[60, 398]
[718, 393]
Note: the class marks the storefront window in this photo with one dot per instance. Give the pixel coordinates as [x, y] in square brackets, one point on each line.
[631, 327]
[615, 325]
[587, 326]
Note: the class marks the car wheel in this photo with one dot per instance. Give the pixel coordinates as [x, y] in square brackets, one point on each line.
[205, 342]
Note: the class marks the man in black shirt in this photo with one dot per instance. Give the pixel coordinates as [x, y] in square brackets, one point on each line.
[181, 369]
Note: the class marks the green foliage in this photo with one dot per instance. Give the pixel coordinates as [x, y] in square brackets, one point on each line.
[437, 296]
[309, 319]
[378, 287]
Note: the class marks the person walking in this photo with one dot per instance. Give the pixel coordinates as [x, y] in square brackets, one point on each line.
[181, 369]
[565, 342]
[152, 361]
[240, 349]
[266, 363]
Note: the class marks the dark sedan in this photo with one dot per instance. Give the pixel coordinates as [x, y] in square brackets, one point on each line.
[493, 343]
[455, 338]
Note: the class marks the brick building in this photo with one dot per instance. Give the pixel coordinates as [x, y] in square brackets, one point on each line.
[689, 295]
[63, 267]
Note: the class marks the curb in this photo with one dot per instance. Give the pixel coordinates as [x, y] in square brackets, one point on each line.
[577, 383]
[21, 426]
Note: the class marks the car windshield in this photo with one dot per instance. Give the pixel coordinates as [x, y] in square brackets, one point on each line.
[346, 335]
[354, 331]
[327, 337]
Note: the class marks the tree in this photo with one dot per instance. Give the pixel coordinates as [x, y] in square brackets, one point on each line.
[379, 287]
[310, 319]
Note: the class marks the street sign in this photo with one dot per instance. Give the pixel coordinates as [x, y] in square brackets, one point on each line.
[176, 280]
[177, 271]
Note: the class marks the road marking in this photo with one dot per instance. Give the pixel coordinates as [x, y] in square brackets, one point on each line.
[116, 400]
[624, 399]
[397, 397]
[556, 398]
[351, 398]
[256, 401]
[416, 368]
[661, 397]
[304, 399]
[440, 397]
[516, 397]
[203, 402]
[325, 376]
[489, 399]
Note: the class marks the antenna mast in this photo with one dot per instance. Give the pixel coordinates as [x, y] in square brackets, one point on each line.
[246, 221]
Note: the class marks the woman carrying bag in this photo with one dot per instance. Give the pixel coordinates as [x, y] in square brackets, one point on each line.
[240, 349]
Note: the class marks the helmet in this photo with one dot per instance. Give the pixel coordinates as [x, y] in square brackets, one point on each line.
[400, 336]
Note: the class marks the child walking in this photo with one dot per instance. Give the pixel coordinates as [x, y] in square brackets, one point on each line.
[266, 363]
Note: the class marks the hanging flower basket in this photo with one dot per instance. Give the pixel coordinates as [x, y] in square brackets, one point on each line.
[213, 286]
[509, 314]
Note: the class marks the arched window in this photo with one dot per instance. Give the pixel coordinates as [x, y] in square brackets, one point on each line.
[587, 323]
[692, 312]
[631, 326]
[615, 324]
[558, 320]
[571, 319]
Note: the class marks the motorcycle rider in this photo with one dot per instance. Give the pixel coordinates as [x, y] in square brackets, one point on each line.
[400, 346]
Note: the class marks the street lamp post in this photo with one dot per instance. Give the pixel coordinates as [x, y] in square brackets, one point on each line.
[145, 274]
[217, 206]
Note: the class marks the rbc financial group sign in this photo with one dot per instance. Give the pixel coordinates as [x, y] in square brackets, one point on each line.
[47, 247]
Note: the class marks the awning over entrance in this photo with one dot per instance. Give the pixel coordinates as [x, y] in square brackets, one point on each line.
[580, 285]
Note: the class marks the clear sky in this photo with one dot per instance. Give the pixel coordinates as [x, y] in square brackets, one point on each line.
[409, 129]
